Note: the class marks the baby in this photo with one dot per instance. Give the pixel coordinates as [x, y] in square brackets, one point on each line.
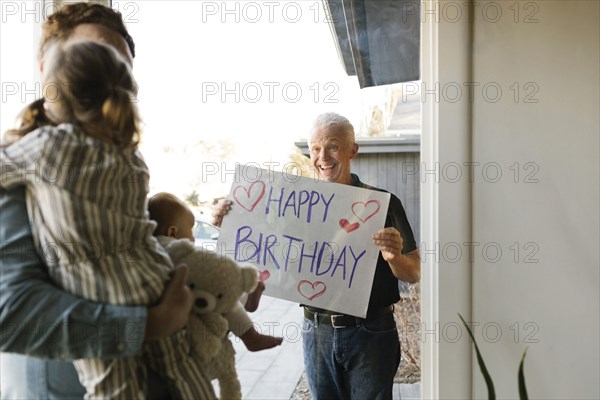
[175, 221]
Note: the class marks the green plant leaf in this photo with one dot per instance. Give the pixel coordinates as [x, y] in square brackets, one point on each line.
[522, 386]
[484, 371]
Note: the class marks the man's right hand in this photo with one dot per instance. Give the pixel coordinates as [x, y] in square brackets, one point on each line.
[172, 312]
[221, 209]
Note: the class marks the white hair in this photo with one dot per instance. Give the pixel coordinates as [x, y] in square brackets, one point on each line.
[326, 120]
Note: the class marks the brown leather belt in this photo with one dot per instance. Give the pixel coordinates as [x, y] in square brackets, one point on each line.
[342, 320]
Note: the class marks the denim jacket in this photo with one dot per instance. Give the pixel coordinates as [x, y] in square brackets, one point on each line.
[40, 321]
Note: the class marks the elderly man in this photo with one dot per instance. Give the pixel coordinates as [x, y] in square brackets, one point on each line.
[37, 318]
[360, 359]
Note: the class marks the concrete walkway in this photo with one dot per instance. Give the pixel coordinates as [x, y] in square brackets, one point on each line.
[273, 374]
[407, 391]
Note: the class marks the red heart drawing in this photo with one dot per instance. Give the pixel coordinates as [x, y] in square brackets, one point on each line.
[310, 290]
[369, 209]
[249, 197]
[347, 226]
[264, 275]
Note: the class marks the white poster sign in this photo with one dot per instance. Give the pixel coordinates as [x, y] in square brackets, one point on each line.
[311, 240]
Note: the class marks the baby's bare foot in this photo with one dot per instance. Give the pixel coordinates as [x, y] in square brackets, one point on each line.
[255, 341]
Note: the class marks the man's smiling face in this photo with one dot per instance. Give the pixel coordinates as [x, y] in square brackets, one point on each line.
[331, 150]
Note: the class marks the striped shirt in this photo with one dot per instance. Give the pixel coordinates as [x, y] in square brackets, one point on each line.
[87, 207]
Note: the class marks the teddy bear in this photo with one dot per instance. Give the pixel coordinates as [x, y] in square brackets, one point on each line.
[217, 283]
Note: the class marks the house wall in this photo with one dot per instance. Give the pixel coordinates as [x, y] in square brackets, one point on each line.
[550, 211]
[396, 173]
[446, 210]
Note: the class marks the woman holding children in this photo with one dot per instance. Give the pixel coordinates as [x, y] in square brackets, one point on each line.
[96, 231]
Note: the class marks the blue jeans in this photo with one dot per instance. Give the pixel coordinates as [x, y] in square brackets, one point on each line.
[351, 363]
[25, 377]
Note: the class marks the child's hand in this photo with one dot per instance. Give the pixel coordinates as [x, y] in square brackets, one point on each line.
[172, 312]
[221, 209]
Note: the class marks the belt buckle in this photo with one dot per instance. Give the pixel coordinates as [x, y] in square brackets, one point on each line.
[335, 318]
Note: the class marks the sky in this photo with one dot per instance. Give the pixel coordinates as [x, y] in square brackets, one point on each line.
[248, 77]
[252, 73]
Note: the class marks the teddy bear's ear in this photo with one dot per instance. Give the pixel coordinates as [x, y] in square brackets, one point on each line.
[249, 278]
[179, 248]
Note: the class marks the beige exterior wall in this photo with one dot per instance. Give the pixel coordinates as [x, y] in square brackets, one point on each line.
[551, 209]
[542, 212]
